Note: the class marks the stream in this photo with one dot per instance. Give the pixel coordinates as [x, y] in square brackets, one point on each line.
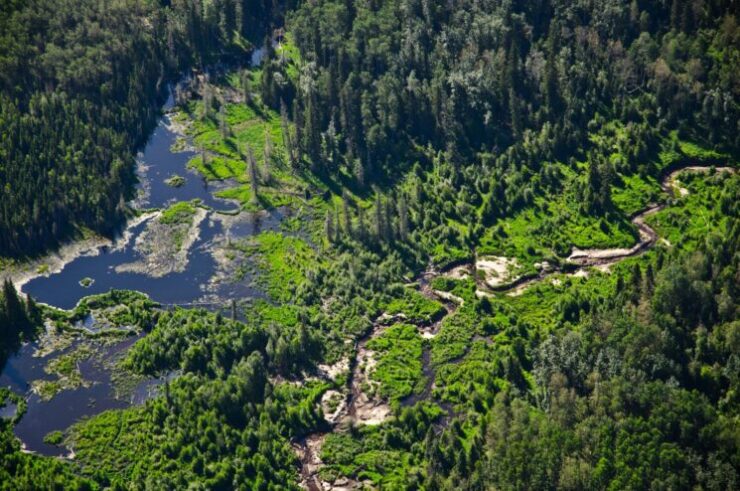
[581, 259]
[361, 409]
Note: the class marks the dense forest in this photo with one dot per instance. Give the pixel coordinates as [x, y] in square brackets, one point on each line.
[411, 139]
[80, 87]
[512, 84]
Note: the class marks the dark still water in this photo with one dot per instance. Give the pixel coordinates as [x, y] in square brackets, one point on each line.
[158, 163]
[68, 406]
[202, 280]
[63, 289]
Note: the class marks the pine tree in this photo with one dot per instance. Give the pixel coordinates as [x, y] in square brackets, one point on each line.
[313, 131]
[204, 157]
[346, 213]
[329, 226]
[337, 229]
[253, 177]
[298, 123]
[267, 158]
[403, 218]
[33, 312]
[246, 87]
[390, 232]
[223, 125]
[207, 100]
[379, 225]
[267, 149]
[15, 312]
[287, 137]
[361, 231]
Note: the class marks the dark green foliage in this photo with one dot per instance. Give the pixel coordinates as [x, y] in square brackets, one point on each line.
[441, 131]
[223, 420]
[632, 398]
[19, 320]
[524, 88]
[23, 471]
[80, 86]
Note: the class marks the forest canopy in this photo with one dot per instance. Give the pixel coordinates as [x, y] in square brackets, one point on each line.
[511, 227]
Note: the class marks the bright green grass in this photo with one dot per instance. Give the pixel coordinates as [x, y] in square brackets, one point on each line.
[673, 150]
[416, 307]
[552, 228]
[695, 151]
[458, 382]
[248, 127]
[364, 454]
[180, 212]
[692, 218]
[398, 367]
[457, 329]
[54, 438]
[289, 51]
[285, 260]
[266, 197]
[635, 193]
[112, 440]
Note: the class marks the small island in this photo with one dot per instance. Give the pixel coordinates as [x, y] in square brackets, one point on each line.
[86, 282]
[175, 181]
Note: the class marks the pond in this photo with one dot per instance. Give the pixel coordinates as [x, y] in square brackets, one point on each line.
[202, 281]
[68, 406]
[158, 162]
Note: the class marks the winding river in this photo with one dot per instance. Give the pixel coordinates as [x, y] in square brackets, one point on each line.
[308, 448]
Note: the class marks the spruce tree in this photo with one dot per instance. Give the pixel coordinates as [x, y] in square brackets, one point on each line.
[379, 225]
[287, 137]
[253, 176]
[246, 87]
[346, 213]
[403, 218]
[329, 226]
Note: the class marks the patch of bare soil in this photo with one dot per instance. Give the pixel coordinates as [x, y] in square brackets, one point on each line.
[497, 270]
[589, 257]
[308, 451]
[459, 272]
[672, 184]
[365, 406]
[164, 247]
[332, 372]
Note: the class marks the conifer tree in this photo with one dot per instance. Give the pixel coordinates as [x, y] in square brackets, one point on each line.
[337, 229]
[246, 87]
[361, 231]
[346, 213]
[287, 137]
[329, 226]
[379, 225]
[403, 218]
[207, 100]
[253, 176]
[223, 125]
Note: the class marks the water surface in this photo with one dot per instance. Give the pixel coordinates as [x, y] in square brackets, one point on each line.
[202, 281]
